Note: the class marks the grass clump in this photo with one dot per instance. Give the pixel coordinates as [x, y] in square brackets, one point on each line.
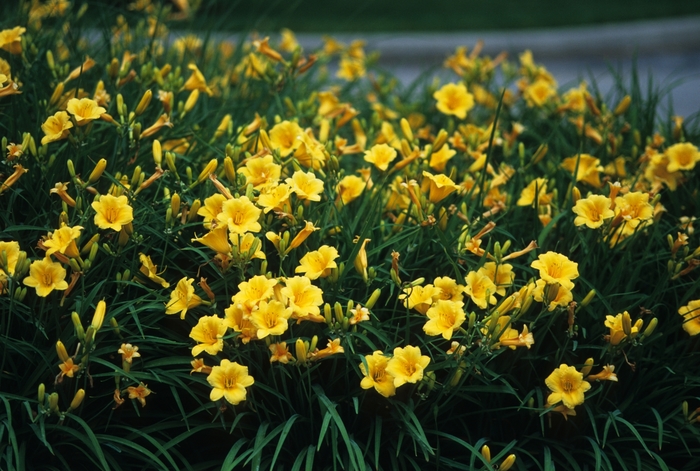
[219, 255]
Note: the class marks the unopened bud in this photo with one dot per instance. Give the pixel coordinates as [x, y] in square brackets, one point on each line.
[486, 453]
[191, 100]
[301, 351]
[626, 324]
[589, 297]
[587, 367]
[623, 105]
[373, 298]
[143, 104]
[97, 171]
[440, 140]
[650, 328]
[99, 316]
[77, 399]
[61, 351]
[53, 402]
[507, 463]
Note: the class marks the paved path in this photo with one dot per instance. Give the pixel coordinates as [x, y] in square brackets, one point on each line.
[668, 50]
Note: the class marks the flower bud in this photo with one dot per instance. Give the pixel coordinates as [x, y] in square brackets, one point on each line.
[143, 104]
[77, 399]
[373, 298]
[97, 171]
[587, 367]
[626, 324]
[623, 105]
[41, 393]
[175, 205]
[507, 463]
[440, 140]
[486, 453]
[589, 297]
[650, 328]
[53, 402]
[406, 130]
[61, 351]
[57, 93]
[99, 316]
[301, 351]
[191, 100]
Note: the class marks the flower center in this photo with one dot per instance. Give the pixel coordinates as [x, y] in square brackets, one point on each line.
[229, 382]
[48, 279]
[568, 385]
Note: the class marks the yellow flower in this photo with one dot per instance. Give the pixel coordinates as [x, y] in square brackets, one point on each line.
[46, 276]
[333, 348]
[198, 366]
[139, 392]
[302, 235]
[129, 352]
[229, 380]
[56, 127]
[634, 208]
[306, 186]
[275, 198]
[691, 317]
[261, 172]
[284, 136]
[439, 159]
[567, 386]
[196, 81]
[588, 171]
[216, 239]
[11, 250]
[151, 271]
[553, 293]
[63, 241]
[243, 246]
[481, 289]
[592, 211]
[350, 188]
[270, 318]
[556, 268]
[441, 186]
[502, 275]
[617, 330]
[318, 264]
[84, 110]
[444, 318]
[252, 292]
[10, 39]
[407, 365]
[351, 69]
[381, 155]
[280, 353]
[454, 99]
[359, 314]
[238, 318]
[449, 289]
[304, 298]
[608, 374]
[209, 332]
[112, 212]
[376, 374]
[183, 298]
[536, 189]
[240, 214]
[68, 368]
[420, 298]
[682, 156]
[538, 93]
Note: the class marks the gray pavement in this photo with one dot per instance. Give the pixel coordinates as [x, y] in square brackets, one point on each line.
[666, 50]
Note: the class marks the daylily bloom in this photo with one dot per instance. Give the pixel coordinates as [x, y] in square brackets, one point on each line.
[261, 172]
[139, 392]
[63, 241]
[46, 276]
[350, 188]
[229, 380]
[151, 271]
[280, 352]
[333, 348]
[11, 250]
[209, 332]
[682, 156]
[593, 211]
[271, 318]
[56, 127]
[84, 110]
[454, 99]
[283, 136]
[318, 264]
[691, 317]
[112, 212]
[10, 39]
[444, 318]
[240, 214]
[305, 185]
[129, 352]
[376, 374]
[381, 155]
[256, 289]
[407, 365]
[183, 298]
[302, 297]
[556, 268]
[567, 386]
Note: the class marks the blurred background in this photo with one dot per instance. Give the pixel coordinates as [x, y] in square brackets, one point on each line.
[593, 40]
[597, 40]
